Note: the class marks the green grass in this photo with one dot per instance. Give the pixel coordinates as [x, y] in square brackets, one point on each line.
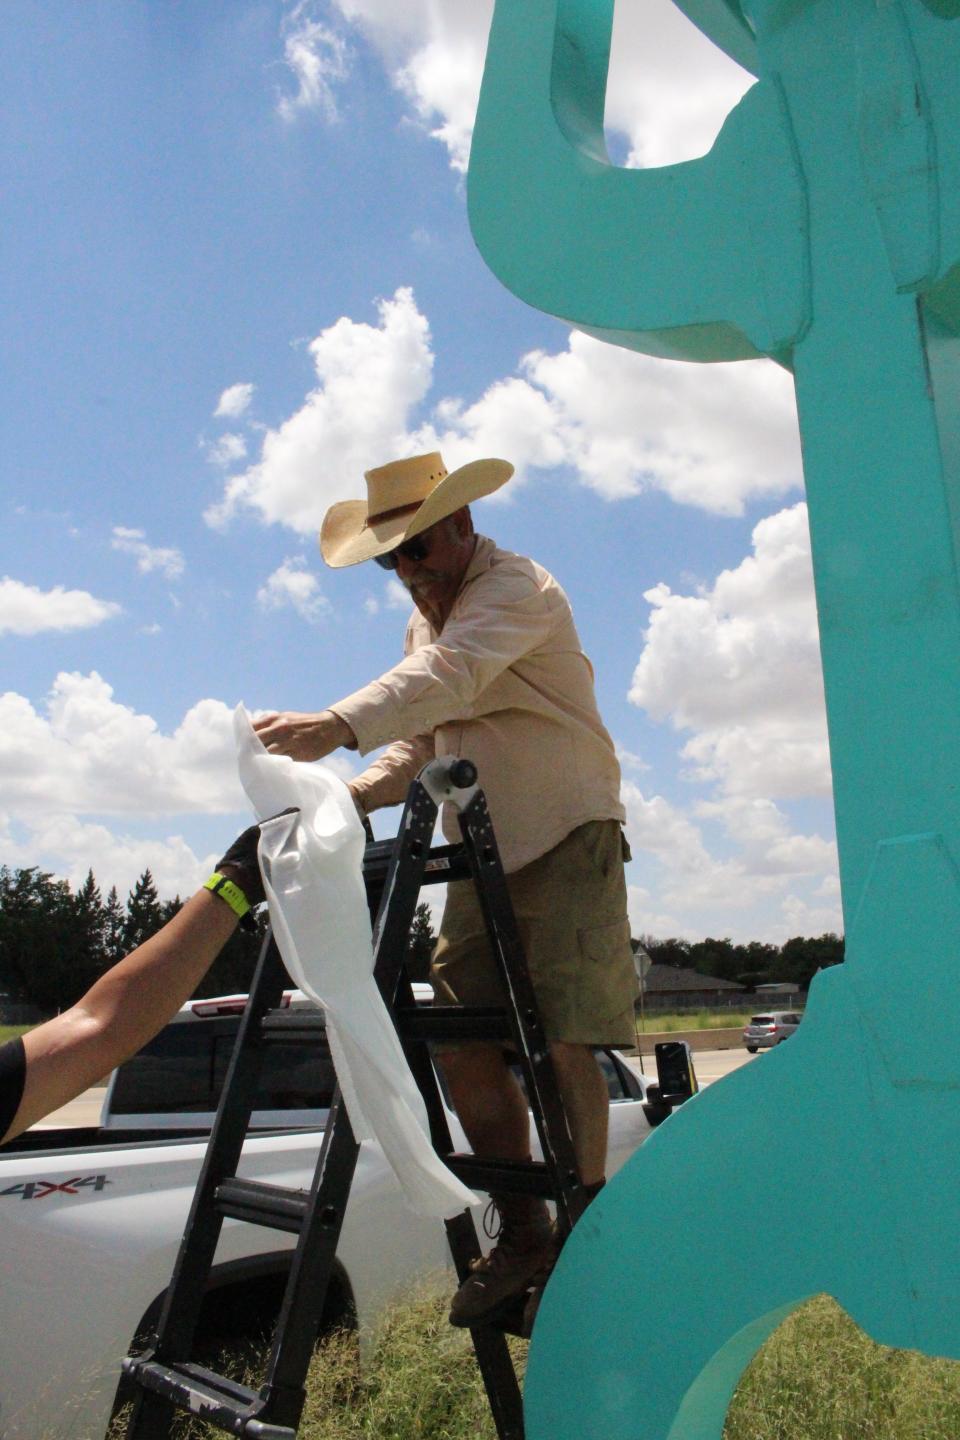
[820, 1378]
[817, 1378]
[655, 1022]
[418, 1382]
[422, 1382]
[10, 1032]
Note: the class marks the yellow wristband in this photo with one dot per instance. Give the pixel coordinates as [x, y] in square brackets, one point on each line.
[219, 885]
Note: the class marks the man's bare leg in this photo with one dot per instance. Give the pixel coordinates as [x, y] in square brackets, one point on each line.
[492, 1109]
[488, 1100]
[587, 1105]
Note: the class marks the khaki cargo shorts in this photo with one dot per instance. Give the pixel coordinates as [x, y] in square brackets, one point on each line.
[571, 909]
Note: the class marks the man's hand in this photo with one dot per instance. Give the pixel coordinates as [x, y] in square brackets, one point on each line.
[304, 736]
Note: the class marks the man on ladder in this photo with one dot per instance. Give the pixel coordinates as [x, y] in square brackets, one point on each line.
[494, 670]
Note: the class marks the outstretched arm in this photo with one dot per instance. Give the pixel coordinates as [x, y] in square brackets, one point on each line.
[137, 996]
[123, 1010]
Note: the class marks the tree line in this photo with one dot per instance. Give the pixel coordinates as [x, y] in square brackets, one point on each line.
[756, 963]
[55, 942]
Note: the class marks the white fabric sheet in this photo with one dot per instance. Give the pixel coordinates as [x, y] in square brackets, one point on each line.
[312, 874]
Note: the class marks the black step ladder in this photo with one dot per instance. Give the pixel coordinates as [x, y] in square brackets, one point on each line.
[165, 1379]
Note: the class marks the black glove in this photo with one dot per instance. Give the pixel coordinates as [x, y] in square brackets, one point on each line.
[240, 863]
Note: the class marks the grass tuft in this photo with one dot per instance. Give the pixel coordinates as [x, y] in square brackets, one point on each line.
[420, 1382]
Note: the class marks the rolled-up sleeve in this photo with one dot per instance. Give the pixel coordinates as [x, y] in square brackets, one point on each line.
[496, 621]
[387, 780]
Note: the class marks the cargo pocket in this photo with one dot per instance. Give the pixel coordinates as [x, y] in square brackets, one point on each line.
[608, 981]
[600, 841]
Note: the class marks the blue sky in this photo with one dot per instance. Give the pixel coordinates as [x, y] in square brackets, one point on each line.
[236, 272]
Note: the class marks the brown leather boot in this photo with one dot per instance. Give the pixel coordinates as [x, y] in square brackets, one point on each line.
[538, 1282]
[525, 1245]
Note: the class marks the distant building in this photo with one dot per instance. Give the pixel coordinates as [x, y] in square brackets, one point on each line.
[665, 987]
[779, 994]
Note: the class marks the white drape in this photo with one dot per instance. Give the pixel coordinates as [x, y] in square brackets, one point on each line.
[312, 872]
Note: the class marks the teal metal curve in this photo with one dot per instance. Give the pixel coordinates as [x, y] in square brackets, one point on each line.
[823, 229]
[828, 1165]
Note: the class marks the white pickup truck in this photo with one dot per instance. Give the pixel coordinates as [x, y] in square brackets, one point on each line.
[91, 1219]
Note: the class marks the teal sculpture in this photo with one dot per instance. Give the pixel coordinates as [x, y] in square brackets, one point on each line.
[823, 230]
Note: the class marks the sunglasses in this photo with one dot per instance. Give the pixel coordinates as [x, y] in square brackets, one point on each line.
[416, 550]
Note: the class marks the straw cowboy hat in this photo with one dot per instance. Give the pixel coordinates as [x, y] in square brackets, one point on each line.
[403, 498]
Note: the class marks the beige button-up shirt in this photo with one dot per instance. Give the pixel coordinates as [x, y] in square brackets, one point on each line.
[506, 684]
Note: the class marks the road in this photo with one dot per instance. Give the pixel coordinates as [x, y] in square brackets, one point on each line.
[712, 1065]
[85, 1110]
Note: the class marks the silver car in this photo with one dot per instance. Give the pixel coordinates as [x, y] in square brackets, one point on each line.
[770, 1029]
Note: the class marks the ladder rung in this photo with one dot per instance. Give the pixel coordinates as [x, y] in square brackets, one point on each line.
[454, 1022]
[515, 1177]
[445, 862]
[293, 1026]
[259, 1204]
[213, 1397]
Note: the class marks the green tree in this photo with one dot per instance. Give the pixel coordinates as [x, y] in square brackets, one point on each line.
[169, 908]
[37, 938]
[667, 952]
[719, 958]
[760, 963]
[802, 957]
[420, 943]
[144, 915]
[12, 978]
[113, 919]
[88, 948]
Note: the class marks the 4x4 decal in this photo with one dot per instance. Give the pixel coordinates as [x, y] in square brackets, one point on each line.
[38, 1189]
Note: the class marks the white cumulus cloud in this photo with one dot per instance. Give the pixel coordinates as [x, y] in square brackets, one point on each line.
[227, 449]
[318, 60]
[234, 401]
[397, 598]
[69, 847]
[755, 881]
[83, 777]
[712, 436]
[295, 587]
[28, 610]
[735, 668]
[166, 559]
[85, 753]
[738, 664]
[669, 87]
[369, 378]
